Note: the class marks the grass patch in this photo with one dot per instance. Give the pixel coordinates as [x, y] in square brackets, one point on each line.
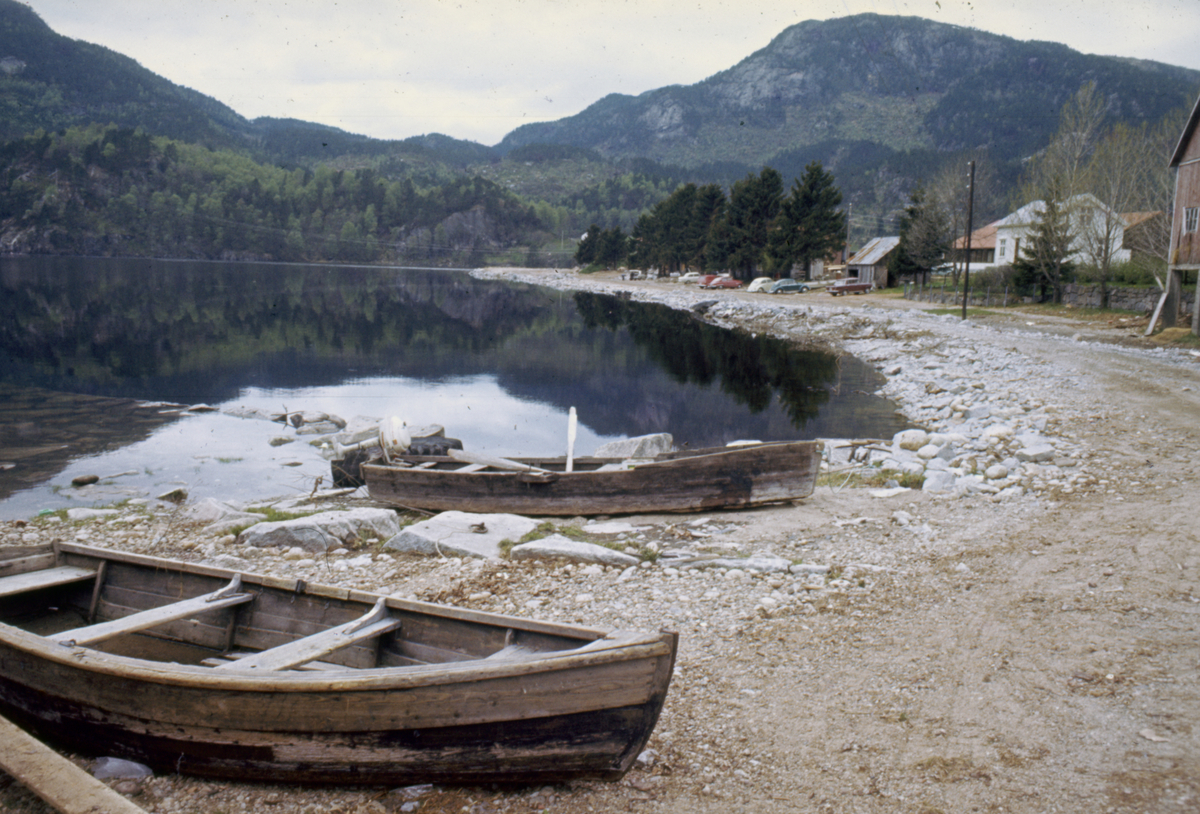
[270, 515]
[546, 528]
[1177, 337]
[229, 460]
[273, 515]
[869, 478]
[543, 529]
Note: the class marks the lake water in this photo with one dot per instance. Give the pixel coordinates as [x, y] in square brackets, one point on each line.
[84, 343]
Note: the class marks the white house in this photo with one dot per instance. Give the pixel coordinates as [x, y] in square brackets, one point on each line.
[1096, 231]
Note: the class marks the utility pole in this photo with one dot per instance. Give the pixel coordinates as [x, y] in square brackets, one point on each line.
[849, 215]
[967, 262]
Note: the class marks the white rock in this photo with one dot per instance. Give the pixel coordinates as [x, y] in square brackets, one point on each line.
[455, 534]
[996, 472]
[937, 481]
[998, 431]
[611, 527]
[928, 451]
[1036, 454]
[910, 439]
[89, 514]
[556, 547]
[763, 562]
[644, 446]
[324, 531]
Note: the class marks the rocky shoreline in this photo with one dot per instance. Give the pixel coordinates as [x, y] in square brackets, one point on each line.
[872, 648]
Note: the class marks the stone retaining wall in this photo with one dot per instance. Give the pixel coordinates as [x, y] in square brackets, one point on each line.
[1081, 296]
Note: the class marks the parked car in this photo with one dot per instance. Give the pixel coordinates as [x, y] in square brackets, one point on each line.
[724, 282]
[850, 285]
[689, 277]
[788, 286]
[712, 280]
[760, 284]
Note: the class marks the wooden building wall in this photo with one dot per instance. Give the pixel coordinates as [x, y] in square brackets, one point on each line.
[1185, 246]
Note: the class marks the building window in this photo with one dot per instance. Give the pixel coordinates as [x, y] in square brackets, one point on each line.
[1002, 242]
[1191, 219]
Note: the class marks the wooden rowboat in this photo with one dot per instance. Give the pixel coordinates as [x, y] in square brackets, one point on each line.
[205, 671]
[687, 481]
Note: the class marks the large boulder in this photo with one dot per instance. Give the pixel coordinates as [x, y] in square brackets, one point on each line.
[939, 481]
[911, 440]
[220, 517]
[323, 532]
[461, 534]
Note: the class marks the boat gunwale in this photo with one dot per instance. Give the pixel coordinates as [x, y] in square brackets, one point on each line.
[681, 458]
[596, 647]
[187, 676]
[294, 585]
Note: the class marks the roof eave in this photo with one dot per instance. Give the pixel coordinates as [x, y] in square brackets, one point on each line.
[1186, 136]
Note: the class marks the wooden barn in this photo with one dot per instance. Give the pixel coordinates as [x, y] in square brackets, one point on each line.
[1184, 253]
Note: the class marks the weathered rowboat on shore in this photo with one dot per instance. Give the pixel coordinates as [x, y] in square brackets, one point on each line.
[205, 671]
[684, 481]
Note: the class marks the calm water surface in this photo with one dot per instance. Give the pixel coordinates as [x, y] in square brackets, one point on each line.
[85, 343]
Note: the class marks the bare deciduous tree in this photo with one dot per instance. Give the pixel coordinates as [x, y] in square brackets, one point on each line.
[1063, 163]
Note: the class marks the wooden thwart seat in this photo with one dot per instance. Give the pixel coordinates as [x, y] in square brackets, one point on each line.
[228, 596]
[375, 623]
[49, 578]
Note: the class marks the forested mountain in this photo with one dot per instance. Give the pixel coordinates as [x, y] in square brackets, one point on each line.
[904, 83]
[51, 82]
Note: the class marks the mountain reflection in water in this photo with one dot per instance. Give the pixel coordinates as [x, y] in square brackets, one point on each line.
[497, 364]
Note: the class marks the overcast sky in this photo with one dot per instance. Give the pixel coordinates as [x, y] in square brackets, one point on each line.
[477, 69]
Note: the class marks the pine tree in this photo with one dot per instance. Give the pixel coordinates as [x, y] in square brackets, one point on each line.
[809, 225]
[753, 204]
[585, 253]
[1043, 259]
[612, 247]
[924, 237]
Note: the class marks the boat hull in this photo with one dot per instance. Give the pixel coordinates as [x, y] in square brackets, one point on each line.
[737, 477]
[582, 708]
